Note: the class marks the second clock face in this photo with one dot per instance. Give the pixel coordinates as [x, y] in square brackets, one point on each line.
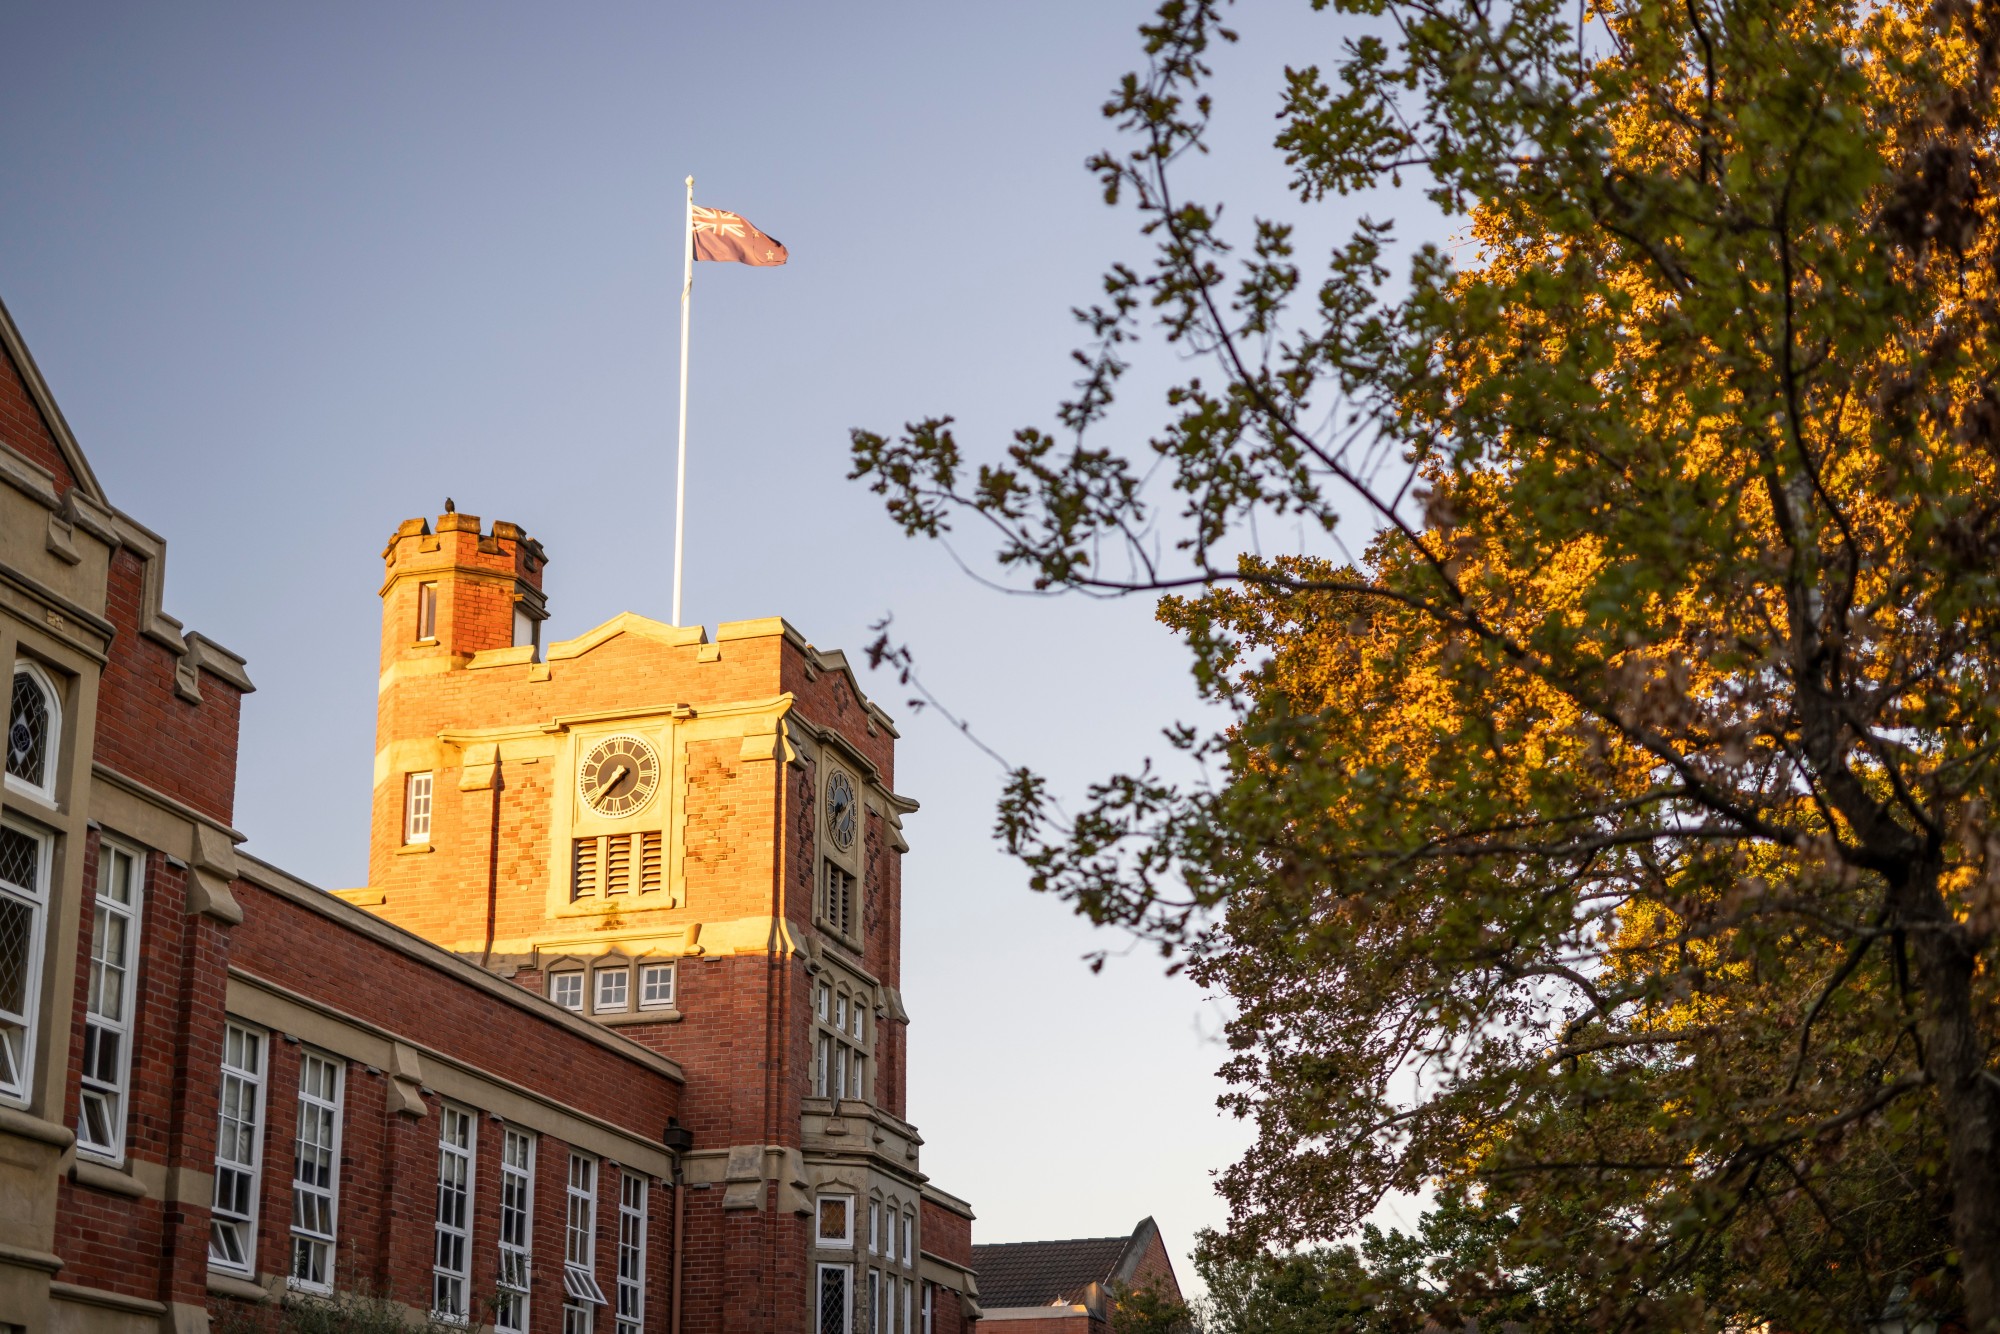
[618, 775]
[842, 812]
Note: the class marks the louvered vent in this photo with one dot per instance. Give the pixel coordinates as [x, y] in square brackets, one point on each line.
[649, 861]
[618, 864]
[583, 869]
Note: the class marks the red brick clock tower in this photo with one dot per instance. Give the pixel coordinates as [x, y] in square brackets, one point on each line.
[700, 844]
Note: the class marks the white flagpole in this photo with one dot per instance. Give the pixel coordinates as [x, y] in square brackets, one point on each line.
[681, 477]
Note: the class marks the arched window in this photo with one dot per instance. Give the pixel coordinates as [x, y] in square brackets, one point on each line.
[34, 725]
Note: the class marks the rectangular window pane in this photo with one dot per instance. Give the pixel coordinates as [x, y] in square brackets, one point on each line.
[451, 1267]
[427, 611]
[517, 1212]
[232, 1229]
[656, 986]
[315, 1172]
[631, 1253]
[836, 1220]
[833, 1299]
[417, 809]
[613, 989]
[108, 1011]
[580, 1232]
[566, 990]
[23, 901]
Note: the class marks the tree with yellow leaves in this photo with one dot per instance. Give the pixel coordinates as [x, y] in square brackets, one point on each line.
[1612, 843]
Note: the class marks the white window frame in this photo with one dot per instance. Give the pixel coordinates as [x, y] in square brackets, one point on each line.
[517, 1183]
[889, 1233]
[631, 1309]
[566, 976]
[840, 1052]
[620, 976]
[250, 1080]
[18, 1030]
[874, 1227]
[647, 973]
[451, 1287]
[930, 1296]
[909, 1300]
[40, 677]
[419, 806]
[843, 1240]
[875, 1301]
[427, 611]
[580, 1232]
[316, 1247]
[909, 1238]
[845, 1272]
[111, 1096]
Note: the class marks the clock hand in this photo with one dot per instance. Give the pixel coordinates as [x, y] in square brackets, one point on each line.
[611, 782]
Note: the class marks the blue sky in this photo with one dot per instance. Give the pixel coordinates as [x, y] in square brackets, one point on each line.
[297, 273]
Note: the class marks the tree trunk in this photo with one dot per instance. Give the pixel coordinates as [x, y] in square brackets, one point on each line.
[1968, 1097]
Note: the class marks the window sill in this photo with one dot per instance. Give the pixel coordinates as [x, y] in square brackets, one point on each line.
[17, 788]
[414, 849]
[231, 1285]
[620, 1018]
[106, 1177]
[29, 1126]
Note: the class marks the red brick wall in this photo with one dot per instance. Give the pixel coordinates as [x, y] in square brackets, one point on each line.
[947, 1235]
[148, 1247]
[1156, 1270]
[144, 729]
[283, 943]
[948, 1312]
[21, 425]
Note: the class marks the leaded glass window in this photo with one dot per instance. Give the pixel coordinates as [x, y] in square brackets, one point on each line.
[32, 727]
[23, 904]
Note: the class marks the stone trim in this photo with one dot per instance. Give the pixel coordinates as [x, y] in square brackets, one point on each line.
[104, 1177]
[115, 1301]
[14, 1121]
[948, 1202]
[224, 1285]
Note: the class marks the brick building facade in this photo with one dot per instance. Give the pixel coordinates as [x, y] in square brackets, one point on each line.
[612, 1041]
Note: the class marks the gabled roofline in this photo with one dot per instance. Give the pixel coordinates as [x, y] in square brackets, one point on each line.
[1135, 1252]
[38, 390]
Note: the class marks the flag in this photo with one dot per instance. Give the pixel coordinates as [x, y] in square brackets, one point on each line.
[725, 236]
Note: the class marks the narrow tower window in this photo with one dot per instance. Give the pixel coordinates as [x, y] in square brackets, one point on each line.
[107, 1020]
[427, 611]
[417, 809]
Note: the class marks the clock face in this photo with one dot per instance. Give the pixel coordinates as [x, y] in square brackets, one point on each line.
[843, 812]
[618, 776]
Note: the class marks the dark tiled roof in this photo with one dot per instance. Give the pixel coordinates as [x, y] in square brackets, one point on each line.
[1038, 1273]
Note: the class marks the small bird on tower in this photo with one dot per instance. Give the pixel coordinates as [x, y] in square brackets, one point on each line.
[449, 508]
